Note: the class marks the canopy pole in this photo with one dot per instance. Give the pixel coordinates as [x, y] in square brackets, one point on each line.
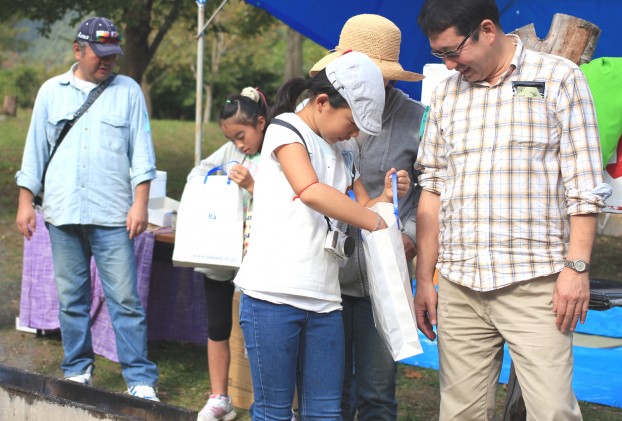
[198, 117]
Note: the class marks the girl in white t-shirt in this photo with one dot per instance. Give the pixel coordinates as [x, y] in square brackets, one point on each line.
[290, 307]
[243, 120]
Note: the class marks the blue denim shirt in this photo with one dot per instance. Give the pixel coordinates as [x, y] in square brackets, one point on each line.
[107, 152]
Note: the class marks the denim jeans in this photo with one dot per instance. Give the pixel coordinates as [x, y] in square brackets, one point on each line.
[72, 247]
[370, 372]
[290, 347]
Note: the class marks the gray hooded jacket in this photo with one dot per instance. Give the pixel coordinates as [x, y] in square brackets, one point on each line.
[395, 147]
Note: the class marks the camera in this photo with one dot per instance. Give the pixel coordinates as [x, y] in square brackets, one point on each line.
[339, 244]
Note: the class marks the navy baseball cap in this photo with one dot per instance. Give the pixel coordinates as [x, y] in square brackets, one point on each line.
[102, 36]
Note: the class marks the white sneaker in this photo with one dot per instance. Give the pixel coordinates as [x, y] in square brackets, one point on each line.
[143, 391]
[217, 408]
[86, 378]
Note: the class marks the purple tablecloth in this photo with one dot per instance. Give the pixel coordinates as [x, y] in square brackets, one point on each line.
[174, 298]
[176, 304]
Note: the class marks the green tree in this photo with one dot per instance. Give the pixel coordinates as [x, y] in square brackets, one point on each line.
[22, 82]
[10, 44]
[170, 79]
[17, 79]
[143, 23]
[244, 46]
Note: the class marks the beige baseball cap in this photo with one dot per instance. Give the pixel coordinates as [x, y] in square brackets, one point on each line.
[357, 78]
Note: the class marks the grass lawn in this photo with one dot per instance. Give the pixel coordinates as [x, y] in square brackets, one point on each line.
[183, 367]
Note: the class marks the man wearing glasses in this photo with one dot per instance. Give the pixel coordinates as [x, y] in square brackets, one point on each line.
[512, 183]
[89, 205]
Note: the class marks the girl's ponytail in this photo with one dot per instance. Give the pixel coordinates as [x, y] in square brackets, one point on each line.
[288, 94]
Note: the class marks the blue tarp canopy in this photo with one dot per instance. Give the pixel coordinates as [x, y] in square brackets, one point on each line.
[322, 20]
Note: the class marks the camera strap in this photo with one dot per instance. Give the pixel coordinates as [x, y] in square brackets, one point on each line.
[330, 227]
[285, 124]
[295, 130]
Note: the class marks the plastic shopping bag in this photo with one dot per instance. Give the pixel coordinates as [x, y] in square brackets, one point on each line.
[210, 224]
[389, 286]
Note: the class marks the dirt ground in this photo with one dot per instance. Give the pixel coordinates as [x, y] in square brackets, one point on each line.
[17, 349]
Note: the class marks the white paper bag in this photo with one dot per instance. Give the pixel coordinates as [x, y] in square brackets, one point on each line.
[389, 286]
[210, 224]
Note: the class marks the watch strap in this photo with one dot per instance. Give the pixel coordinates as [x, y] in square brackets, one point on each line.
[578, 265]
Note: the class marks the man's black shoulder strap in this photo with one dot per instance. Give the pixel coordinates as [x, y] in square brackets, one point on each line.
[93, 95]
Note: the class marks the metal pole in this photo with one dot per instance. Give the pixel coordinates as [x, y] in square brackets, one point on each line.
[199, 94]
[213, 15]
[198, 118]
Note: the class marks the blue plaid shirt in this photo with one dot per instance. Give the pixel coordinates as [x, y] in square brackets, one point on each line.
[107, 152]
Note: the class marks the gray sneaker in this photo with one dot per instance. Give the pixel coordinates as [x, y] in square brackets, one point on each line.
[217, 408]
[85, 378]
[143, 391]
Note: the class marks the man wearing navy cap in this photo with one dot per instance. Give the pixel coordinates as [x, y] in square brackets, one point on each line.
[96, 62]
[95, 204]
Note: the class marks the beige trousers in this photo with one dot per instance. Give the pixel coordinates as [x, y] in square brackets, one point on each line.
[472, 328]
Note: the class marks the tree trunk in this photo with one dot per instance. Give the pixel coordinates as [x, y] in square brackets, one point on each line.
[293, 55]
[218, 48]
[136, 46]
[146, 88]
[9, 105]
[569, 37]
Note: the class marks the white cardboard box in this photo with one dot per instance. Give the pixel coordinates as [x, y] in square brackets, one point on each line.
[158, 185]
[161, 210]
[434, 73]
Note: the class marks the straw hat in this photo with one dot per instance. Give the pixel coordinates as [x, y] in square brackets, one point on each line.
[378, 38]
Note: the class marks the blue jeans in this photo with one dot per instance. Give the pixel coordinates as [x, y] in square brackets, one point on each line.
[290, 347]
[72, 247]
[370, 372]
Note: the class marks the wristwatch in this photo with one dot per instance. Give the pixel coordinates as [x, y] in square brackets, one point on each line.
[579, 265]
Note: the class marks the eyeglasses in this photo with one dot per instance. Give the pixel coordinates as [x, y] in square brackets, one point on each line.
[107, 37]
[456, 51]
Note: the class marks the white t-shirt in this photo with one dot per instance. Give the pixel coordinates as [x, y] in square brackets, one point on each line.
[286, 262]
[84, 85]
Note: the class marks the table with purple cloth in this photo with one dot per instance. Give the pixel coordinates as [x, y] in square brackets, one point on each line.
[174, 298]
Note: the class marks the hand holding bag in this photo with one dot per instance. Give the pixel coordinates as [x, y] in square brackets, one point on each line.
[210, 224]
[389, 286]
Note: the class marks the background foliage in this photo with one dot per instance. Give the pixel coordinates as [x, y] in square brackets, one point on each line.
[36, 38]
